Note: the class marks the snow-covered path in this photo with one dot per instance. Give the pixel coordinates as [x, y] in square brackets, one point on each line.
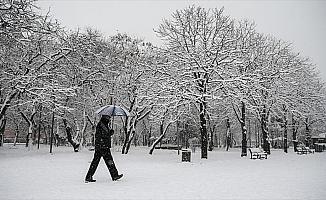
[36, 174]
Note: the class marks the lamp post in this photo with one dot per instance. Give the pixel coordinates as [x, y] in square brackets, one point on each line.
[52, 126]
[178, 137]
[51, 138]
[39, 129]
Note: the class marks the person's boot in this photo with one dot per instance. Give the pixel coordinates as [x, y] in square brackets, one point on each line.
[90, 179]
[76, 146]
[117, 177]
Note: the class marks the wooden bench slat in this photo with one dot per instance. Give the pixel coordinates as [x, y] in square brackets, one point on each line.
[257, 153]
[304, 150]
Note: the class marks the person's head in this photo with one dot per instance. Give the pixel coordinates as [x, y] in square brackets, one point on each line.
[105, 118]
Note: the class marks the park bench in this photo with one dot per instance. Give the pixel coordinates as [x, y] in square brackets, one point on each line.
[304, 150]
[257, 153]
[301, 150]
[310, 150]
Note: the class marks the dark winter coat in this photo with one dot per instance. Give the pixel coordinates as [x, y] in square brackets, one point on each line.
[102, 136]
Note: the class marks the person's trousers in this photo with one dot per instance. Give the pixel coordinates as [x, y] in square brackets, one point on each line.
[106, 154]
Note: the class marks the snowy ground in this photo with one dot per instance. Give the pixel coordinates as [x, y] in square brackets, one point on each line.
[36, 174]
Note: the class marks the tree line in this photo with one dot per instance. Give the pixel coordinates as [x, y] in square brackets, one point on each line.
[211, 70]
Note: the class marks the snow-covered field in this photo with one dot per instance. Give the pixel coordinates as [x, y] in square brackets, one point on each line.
[36, 174]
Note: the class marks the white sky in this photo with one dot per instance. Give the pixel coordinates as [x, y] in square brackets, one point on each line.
[299, 22]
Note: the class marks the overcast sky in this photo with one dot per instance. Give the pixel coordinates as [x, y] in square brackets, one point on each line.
[300, 22]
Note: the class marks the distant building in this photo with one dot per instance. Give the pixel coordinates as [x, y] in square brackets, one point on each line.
[321, 138]
[319, 142]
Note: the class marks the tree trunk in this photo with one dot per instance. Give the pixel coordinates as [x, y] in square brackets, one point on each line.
[211, 142]
[83, 131]
[203, 129]
[294, 134]
[127, 133]
[56, 138]
[243, 129]
[257, 134]
[127, 128]
[133, 132]
[264, 128]
[77, 129]
[46, 135]
[130, 127]
[228, 134]
[30, 139]
[159, 139]
[93, 129]
[3, 110]
[307, 139]
[149, 136]
[16, 135]
[74, 144]
[285, 142]
[51, 136]
[144, 134]
[125, 142]
[39, 129]
[231, 139]
[241, 116]
[3, 122]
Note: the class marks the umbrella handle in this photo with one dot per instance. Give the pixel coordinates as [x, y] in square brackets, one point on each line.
[113, 116]
[112, 122]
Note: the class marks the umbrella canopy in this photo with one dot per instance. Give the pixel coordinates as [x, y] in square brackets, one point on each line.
[113, 110]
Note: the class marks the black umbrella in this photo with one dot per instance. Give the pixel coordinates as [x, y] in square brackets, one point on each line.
[113, 110]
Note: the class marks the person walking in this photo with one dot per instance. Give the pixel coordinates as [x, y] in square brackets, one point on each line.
[102, 149]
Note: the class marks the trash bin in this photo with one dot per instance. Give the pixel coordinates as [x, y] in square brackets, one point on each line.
[186, 155]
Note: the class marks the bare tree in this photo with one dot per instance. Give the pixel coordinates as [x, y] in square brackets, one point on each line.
[199, 48]
[27, 56]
